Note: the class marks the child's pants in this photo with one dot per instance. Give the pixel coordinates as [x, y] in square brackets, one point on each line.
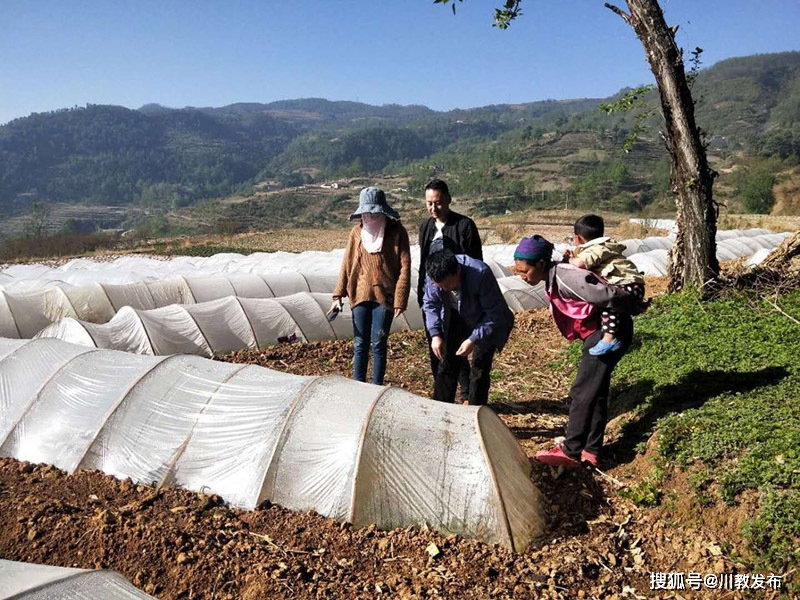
[609, 319]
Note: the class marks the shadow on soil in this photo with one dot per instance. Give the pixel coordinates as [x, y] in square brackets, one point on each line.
[573, 497]
[540, 408]
[649, 404]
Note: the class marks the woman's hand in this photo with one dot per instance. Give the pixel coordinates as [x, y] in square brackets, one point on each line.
[437, 345]
[336, 306]
[398, 312]
[465, 349]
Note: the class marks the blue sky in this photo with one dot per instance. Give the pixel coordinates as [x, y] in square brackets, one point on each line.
[202, 53]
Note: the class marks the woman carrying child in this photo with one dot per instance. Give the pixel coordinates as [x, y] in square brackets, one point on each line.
[576, 298]
[603, 256]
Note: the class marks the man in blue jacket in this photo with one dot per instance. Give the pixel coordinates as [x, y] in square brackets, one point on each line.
[465, 313]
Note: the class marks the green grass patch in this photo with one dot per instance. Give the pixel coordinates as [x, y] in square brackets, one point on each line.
[720, 382]
[647, 492]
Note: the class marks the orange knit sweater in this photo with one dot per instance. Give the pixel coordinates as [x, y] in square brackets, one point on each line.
[383, 277]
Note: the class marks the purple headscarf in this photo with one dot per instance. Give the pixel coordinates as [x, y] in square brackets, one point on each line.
[534, 249]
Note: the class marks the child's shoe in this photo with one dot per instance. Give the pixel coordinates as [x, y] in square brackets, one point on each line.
[603, 347]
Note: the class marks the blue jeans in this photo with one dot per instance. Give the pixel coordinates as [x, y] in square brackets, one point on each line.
[371, 323]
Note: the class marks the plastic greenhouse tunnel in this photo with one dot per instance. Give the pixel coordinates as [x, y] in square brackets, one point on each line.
[26, 581]
[232, 323]
[347, 450]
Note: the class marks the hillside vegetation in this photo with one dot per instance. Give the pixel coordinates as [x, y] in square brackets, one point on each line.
[144, 163]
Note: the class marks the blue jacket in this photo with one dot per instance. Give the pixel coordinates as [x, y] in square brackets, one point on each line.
[481, 305]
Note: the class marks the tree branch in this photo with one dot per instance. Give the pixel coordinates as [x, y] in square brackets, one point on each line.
[622, 14]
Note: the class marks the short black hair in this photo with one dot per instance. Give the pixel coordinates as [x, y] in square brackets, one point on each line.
[589, 227]
[440, 265]
[440, 186]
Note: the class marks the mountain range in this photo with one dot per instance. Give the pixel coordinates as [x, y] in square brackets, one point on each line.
[162, 157]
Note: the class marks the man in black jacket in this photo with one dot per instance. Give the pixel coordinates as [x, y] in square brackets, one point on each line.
[455, 232]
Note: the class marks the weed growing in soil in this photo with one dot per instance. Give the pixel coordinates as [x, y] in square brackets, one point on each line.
[648, 491]
[720, 382]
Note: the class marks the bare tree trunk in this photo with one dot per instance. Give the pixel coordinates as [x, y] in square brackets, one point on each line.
[693, 259]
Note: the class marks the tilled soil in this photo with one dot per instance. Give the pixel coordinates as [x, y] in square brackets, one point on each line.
[178, 545]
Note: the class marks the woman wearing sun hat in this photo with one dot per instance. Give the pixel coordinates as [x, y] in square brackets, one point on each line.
[375, 276]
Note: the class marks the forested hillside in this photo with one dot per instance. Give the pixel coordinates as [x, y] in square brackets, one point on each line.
[548, 152]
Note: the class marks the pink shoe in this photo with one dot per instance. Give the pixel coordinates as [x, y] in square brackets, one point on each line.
[556, 458]
[590, 458]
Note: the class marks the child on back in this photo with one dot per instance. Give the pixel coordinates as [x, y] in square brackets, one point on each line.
[603, 256]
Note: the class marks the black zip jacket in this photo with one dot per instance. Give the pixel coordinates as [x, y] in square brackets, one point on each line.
[463, 237]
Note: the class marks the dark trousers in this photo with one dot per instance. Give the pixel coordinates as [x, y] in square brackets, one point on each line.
[371, 324]
[463, 372]
[588, 411]
[450, 368]
[609, 319]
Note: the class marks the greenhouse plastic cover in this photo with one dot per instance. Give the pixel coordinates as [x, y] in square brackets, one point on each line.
[348, 450]
[232, 323]
[314, 265]
[653, 262]
[29, 305]
[27, 581]
[130, 269]
[220, 326]
[25, 313]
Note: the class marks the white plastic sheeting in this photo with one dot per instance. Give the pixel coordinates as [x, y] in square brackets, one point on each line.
[27, 581]
[24, 314]
[654, 262]
[504, 253]
[348, 450]
[133, 269]
[648, 244]
[219, 326]
[232, 323]
[29, 305]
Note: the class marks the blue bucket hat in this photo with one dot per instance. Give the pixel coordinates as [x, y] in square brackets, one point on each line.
[373, 200]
